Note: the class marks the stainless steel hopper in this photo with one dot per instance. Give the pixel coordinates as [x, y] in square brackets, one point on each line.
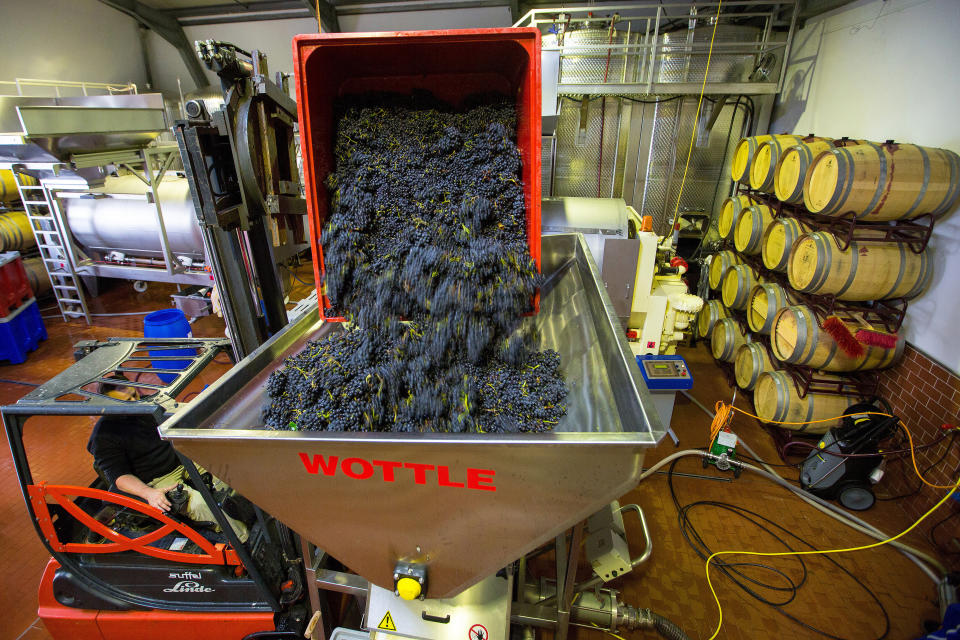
[466, 505]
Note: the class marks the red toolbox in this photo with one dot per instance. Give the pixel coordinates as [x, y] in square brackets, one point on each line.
[14, 286]
[451, 64]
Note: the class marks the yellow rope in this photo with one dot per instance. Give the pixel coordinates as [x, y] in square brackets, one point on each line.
[696, 119]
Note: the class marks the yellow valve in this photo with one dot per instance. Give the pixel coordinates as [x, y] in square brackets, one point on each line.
[408, 588]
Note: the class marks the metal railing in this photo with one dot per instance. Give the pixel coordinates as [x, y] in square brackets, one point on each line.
[639, 47]
[110, 88]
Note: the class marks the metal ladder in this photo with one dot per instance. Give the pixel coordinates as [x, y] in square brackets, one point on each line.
[39, 206]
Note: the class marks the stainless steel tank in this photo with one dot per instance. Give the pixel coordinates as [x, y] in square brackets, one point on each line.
[677, 63]
[510, 493]
[124, 220]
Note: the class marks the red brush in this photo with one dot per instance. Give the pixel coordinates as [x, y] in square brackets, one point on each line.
[873, 338]
[838, 330]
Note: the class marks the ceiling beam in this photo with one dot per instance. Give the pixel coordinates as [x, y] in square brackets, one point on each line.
[232, 7]
[361, 7]
[328, 14]
[169, 29]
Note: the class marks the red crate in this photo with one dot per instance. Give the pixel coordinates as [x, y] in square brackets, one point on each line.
[452, 64]
[14, 286]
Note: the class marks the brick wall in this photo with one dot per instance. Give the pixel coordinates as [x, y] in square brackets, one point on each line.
[925, 395]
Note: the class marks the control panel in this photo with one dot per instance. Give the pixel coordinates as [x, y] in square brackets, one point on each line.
[665, 372]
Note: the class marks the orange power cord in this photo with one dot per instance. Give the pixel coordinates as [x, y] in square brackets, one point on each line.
[724, 416]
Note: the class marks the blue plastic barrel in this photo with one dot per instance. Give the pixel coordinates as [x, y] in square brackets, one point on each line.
[168, 323]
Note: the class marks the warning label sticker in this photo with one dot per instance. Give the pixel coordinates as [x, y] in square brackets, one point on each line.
[387, 623]
[477, 632]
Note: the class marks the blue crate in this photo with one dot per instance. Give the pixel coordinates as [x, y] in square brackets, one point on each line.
[21, 332]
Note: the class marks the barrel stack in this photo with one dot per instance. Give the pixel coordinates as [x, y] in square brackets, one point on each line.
[811, 233]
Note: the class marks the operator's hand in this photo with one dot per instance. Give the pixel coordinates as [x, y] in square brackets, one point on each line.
[158, 498]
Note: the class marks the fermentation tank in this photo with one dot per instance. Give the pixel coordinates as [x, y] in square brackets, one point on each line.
[119, 217]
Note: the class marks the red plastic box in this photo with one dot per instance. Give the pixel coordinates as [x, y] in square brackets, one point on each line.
[452, 64]
[14, 286]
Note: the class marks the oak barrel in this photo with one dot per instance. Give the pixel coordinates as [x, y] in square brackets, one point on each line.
[744, 153]
[765, 300]
[719, 265]
[711, 312]
[797, 338]
[727, 337]
[864, 271]
[763, 167]
[752, 359]
[730, 212]
[777, 241]
[751, 225]
[16, 234]
[883, 182]
[776, 400]
[37, 276]
[737, 283]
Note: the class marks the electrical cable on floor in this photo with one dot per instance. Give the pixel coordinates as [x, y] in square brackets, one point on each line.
[935, 463]
[768, 554]
[732, 569]
[696, 118]
[933, 537]
[919, 558]
[723, 409]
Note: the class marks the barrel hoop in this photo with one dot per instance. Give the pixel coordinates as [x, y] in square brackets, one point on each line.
[900, 273]
[954, 183]
[855, 260]
[790, 235]
[751, 152]
[926, 182]
[804, 158]
[883, 187]
[781, 411]
[756, 224]
[745, 291]
[771, 310]
[923, 280]
[788, 239]
[809, 417]
[831, 353]
[802, 337]
[844, 185]
[822, 271]
[727, 342]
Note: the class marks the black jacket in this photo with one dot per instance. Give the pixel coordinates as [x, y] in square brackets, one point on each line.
[131, 445]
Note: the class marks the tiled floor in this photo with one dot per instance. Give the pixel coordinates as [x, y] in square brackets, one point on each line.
[673, 581]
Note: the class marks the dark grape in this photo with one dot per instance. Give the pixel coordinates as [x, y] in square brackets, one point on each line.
[426, 254]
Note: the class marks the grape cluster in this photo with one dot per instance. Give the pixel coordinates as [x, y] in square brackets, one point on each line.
[425, 252]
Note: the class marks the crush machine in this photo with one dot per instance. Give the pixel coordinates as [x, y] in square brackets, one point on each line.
[417, 535]
[422, 535]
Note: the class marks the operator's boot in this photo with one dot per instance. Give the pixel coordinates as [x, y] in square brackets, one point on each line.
[238, 508]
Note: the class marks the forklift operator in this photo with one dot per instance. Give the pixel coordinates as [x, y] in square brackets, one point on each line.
[132, 457]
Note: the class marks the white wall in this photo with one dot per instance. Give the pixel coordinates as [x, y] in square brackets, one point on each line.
[886, 69]
[75, 40]
[274, 37]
